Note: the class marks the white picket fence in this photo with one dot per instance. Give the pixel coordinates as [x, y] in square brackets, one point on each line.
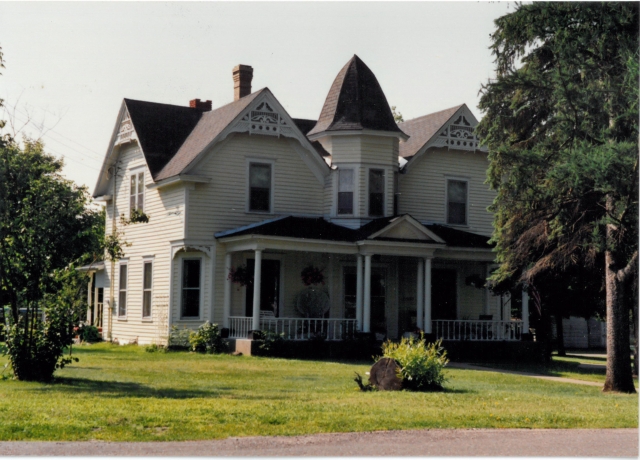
[481, 330]
[295, 328]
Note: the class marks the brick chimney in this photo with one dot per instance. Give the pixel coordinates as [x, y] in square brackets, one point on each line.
[242, 76]
[198, 104]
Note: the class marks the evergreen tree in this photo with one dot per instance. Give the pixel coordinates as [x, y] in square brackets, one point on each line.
[561, 124]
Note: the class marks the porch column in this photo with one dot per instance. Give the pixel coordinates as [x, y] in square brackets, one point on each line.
[366, 320]
[359, 286]
[427, 296]
[420, 295]
[226, 309]
[525, 311]
[257, 274]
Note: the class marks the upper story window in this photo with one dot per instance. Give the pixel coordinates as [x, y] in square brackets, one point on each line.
[260, 187]
[346, 186]
[457, 202]
[190, 307]
[396, 193]
[376, 192]
[136, 192]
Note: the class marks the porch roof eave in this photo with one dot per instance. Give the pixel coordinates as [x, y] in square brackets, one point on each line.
[282, 243]
[466, 253]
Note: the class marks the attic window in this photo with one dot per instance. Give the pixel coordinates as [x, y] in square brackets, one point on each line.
[136, 192]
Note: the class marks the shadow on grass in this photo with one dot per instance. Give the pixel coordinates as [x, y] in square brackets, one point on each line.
[553, 369]
[586, 357]
[115, 389]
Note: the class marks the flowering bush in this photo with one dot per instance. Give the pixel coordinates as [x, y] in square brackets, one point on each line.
[421, 364]
[312, 276]
[240, 276]
[207, 339]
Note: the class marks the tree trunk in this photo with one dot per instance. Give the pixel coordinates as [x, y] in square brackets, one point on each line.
[618, 376]
[560, 336]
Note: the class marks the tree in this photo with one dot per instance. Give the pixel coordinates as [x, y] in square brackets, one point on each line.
[561, 124]
[397, 116]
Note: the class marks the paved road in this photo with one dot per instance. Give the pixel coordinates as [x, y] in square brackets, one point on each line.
[467, 443]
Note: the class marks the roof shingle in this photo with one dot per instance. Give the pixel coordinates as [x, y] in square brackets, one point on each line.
[355, 102]
[422, 129]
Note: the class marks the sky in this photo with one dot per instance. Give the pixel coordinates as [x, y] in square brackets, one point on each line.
[69, 65]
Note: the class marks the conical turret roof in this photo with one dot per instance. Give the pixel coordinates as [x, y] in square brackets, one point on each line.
[356, 102]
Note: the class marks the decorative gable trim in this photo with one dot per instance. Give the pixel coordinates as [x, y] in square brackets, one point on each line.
[412, 226]
[266, 117]
[457, 133]
[123, 132]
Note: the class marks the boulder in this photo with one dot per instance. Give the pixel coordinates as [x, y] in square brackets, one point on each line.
[384, 375]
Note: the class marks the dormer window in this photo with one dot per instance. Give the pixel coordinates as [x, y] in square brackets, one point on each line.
[136, 192]
[376, 192]
[457, 202]
[260, 187]
[346, 187]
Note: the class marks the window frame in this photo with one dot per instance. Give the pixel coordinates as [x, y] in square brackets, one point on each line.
[123, 263]
[136, 174]
[449, 179]
[271, 164]
[384, 191]
[353, 192]
[201, 287]
[149, 317]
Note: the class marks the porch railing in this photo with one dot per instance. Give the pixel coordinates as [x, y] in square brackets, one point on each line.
[482, 330]
[296, 328]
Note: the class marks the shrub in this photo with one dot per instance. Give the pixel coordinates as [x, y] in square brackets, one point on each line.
[154, 348]
[35, 346]
[207, 339]
[272, 343]
[88, 333]
[421, 364]
[179, 338]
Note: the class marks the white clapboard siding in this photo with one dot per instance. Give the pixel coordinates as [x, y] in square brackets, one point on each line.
[222, 203]
[148, 241]
[422, 188]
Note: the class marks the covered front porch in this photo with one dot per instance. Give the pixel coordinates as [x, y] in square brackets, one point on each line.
[385, 287]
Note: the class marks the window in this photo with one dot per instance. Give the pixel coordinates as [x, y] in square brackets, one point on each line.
[260, 187]
[122, 291]
[350, 283]
[396, 193]
[147, 282]
[345, 191]
[457, 202]
[136, 192]
[190, 288]
[376, 192]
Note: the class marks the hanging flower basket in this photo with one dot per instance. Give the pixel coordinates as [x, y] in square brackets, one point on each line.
[312, 276]
[240, 276]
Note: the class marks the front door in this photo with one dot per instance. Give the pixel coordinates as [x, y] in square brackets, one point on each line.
[443, 293]
[378, 300]
[269, 287]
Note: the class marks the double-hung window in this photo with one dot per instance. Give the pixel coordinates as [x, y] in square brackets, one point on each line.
[260, 187]
[457, 202]
[376, 192]
[346, 186]
[147, 286]
[122, 291]
[190, 288]
[136, 192]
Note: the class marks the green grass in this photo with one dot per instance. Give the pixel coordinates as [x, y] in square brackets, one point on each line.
[124, 394]
[562, 366]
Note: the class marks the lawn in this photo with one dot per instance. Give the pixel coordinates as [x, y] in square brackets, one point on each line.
[125, 394]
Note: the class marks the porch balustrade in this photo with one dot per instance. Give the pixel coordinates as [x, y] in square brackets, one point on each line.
[295, 328]
[483, 330]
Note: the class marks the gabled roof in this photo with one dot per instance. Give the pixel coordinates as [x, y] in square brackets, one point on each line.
[355, 102]
[209, 126]
[161, 129]
[422, 129]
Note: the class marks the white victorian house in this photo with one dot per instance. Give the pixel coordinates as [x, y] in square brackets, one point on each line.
[391, 219]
